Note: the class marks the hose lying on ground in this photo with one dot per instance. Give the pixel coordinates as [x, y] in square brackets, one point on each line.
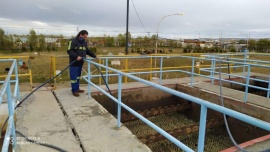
[24, 99]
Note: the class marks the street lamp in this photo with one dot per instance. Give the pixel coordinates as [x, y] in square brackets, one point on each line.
[248, 37]
[220, 40]
[199, 35]
[180, 14]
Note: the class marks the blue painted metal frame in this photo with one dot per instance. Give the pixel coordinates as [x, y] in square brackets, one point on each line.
[247, 84]
[247, 77]
[10, 136]
[268, 92]
[204, 106]
[212, 71]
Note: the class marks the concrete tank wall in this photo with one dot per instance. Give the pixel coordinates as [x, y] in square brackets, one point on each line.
[241, 131]
[139, 98]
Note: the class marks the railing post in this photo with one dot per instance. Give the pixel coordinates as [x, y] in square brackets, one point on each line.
[30, 73]
[268, 92]
[106, 70]
[247, 83]
[202, 128]
[11, 115]
[99, 79]
[213, 69]
[126, 68]
[88, 78]
[244, 68]
[192, 71]
[119, 100]
[17, 86]
[229, 62]
[160, 74]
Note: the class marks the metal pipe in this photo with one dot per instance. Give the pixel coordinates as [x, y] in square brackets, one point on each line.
[247, 84]
[119, 100]
[88, 78]
[202, 128]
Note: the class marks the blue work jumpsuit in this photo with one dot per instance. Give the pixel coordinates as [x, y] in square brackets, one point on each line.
[77, 47]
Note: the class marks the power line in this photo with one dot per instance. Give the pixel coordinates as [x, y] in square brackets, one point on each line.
[138, 16]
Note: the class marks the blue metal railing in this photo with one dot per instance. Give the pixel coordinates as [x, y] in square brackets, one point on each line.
[10, 136]
[204, 107]
[246, 75]
[236, 62]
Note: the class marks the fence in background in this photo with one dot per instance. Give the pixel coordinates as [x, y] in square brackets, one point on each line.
[24, 71]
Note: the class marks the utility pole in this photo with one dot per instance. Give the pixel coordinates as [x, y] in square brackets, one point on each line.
[248, 38]
[127, 27]
[220, 40]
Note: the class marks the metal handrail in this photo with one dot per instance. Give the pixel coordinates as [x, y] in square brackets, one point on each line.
[10, 136]
[211, 70]
[204, 107]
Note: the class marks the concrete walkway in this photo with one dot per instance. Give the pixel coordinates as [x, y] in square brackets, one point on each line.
[82, 125]
[41, 118]
[95, 127]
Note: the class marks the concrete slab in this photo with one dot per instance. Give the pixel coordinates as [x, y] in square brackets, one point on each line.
[41, 118]
[3, 113]
[239, 95]
[95, 127]
[259, 144]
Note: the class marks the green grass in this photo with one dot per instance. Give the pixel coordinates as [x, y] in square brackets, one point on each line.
[41, 65]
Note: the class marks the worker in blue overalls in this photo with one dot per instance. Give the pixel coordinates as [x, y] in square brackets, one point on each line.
[77, 50]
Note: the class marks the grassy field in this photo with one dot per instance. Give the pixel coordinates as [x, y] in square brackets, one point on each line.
[41, 65]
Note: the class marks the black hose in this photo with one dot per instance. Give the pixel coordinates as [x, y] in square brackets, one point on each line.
[115, 105]
[36, 142]
[40, 143]
[104, 80]
[2, 128]
[44, 84]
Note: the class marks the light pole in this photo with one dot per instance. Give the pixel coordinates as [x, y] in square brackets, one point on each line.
[199, 35]
[210, 36]
[181, 14]
[248, 37]
[220, 39]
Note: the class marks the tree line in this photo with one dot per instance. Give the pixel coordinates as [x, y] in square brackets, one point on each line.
[13, 43]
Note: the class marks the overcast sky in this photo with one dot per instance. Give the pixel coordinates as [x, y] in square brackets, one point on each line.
[202, 18]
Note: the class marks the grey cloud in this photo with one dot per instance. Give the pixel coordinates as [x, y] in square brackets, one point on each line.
[43, 7]
[204, 16]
